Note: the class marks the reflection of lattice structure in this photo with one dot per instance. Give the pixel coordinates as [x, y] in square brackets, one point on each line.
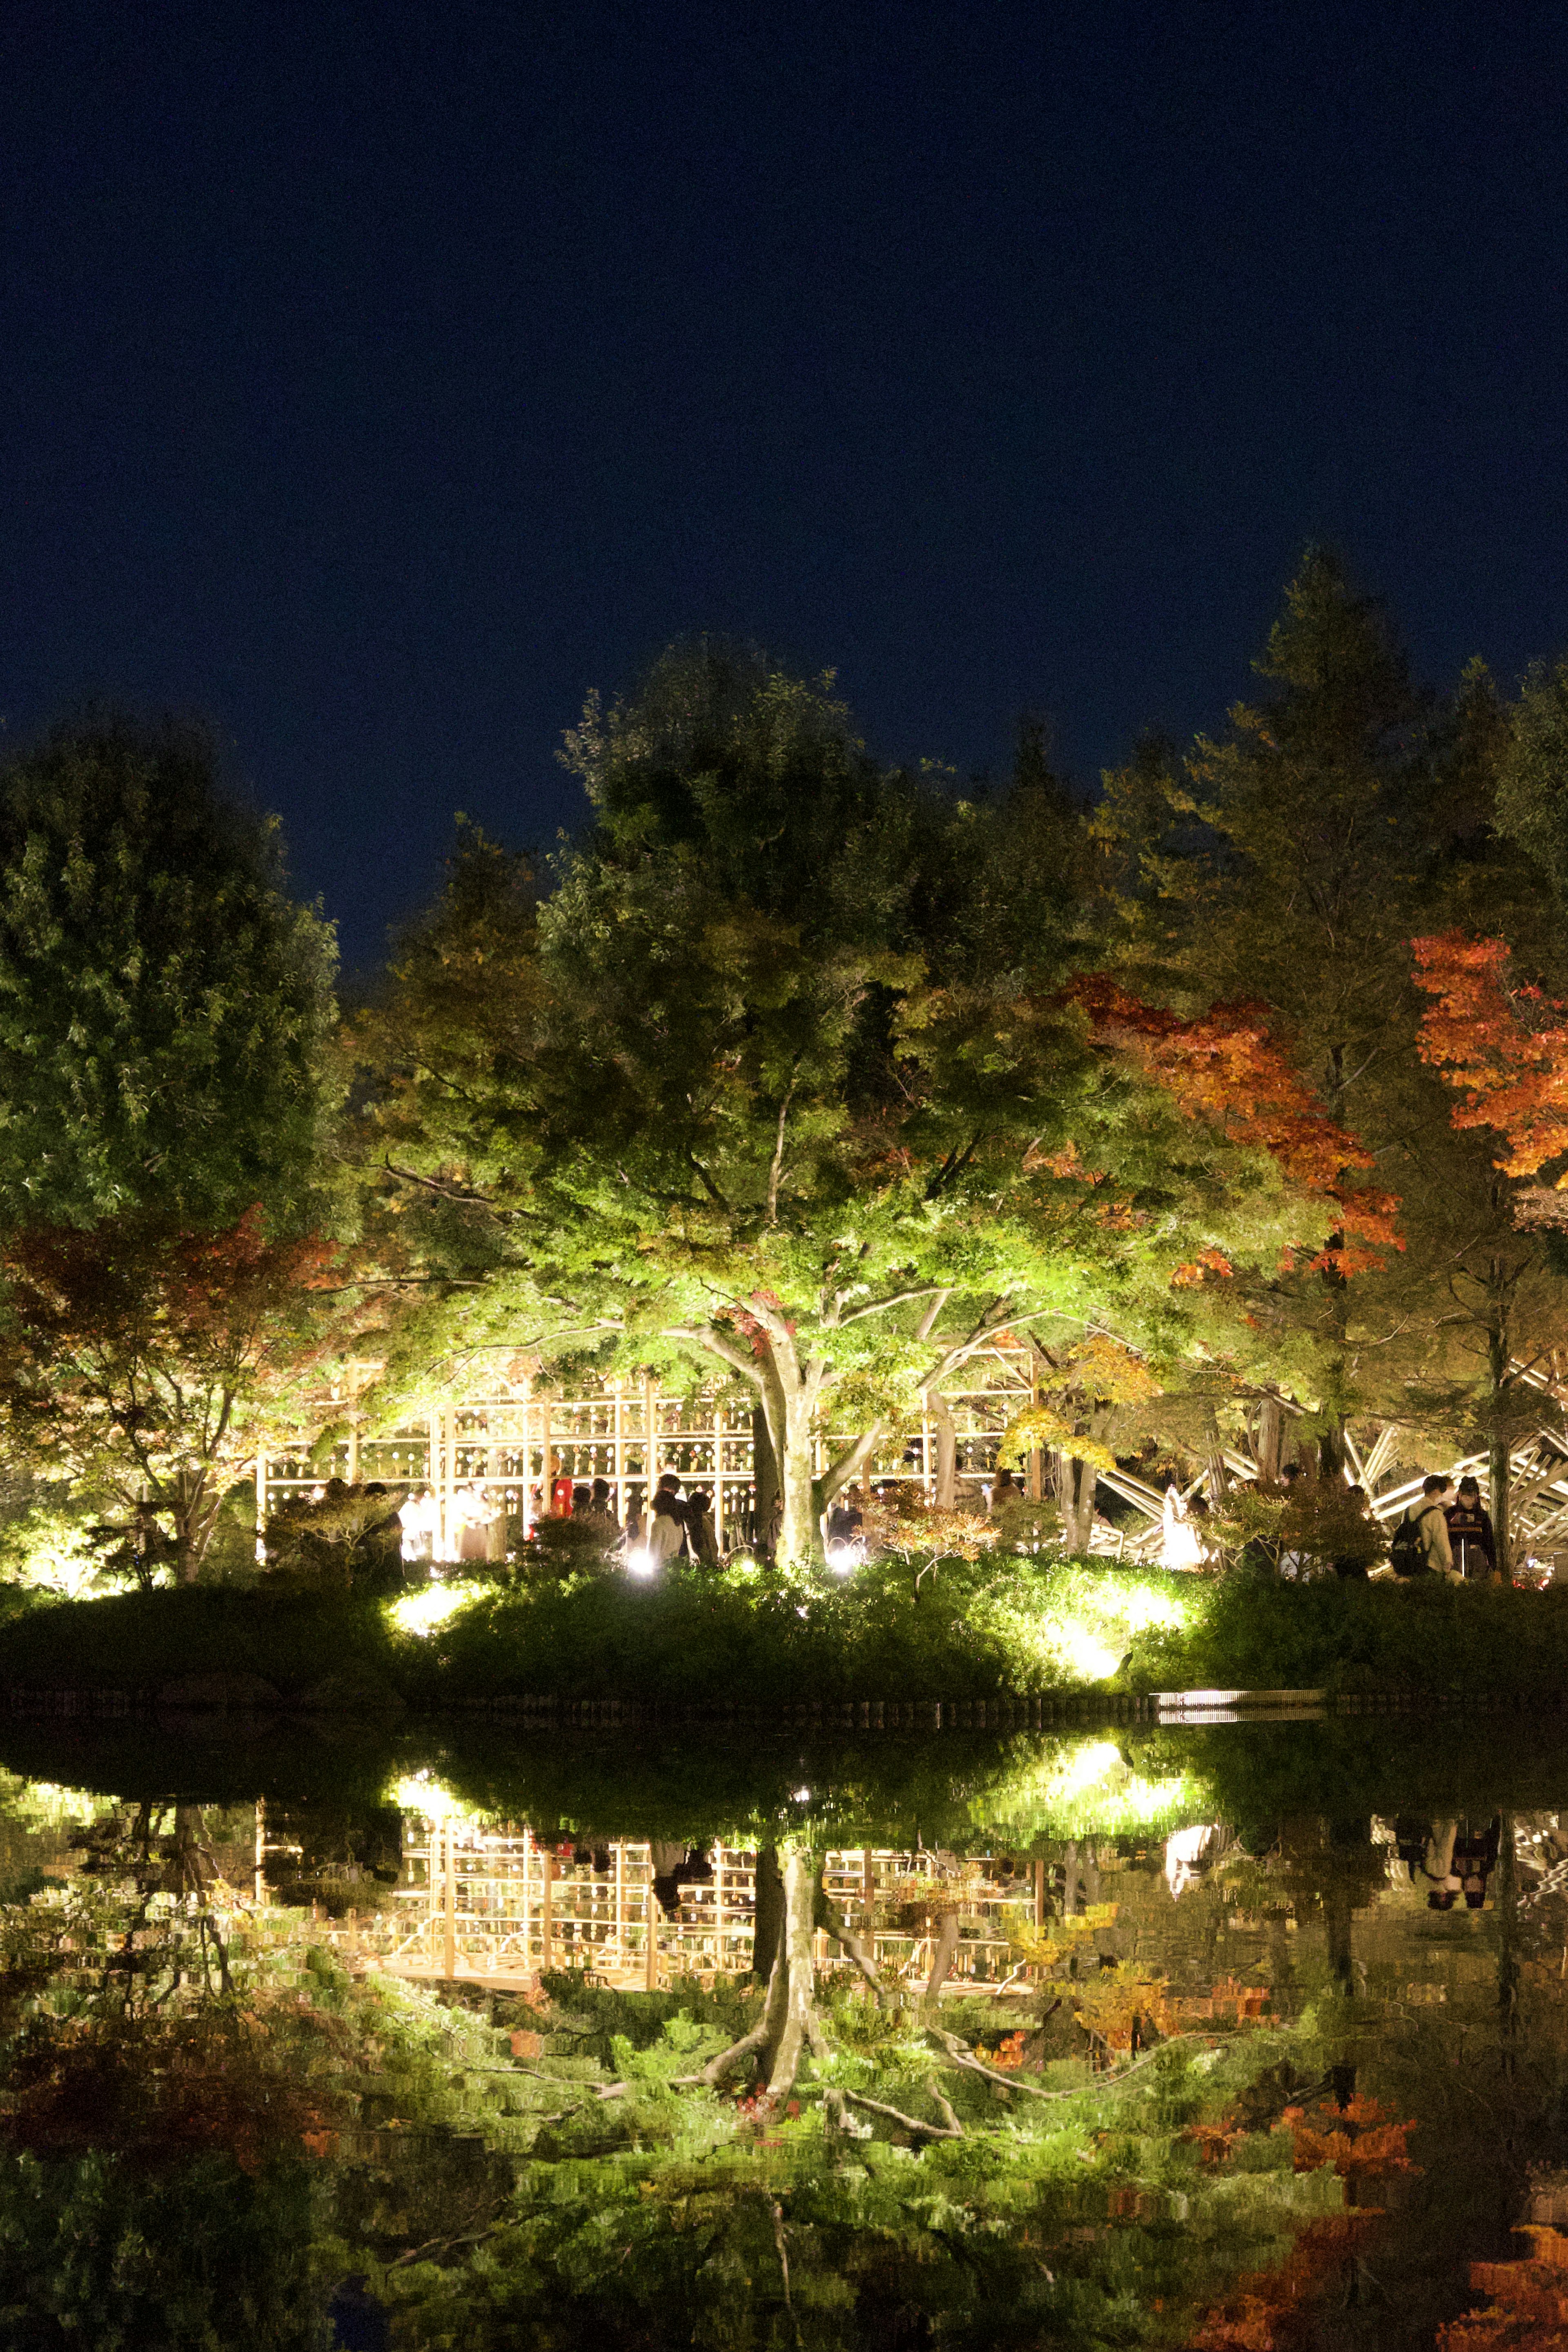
[630, 1433]
[502, 1907]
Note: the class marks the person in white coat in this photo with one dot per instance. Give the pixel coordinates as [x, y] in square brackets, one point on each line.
[666, 1528]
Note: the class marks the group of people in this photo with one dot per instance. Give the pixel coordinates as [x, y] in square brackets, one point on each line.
[1447, 1533]
[1438, 1537]
[674, 1525]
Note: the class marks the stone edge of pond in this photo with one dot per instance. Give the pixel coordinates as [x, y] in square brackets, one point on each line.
[244, 1696]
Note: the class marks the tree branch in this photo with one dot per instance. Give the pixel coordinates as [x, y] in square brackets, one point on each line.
[961, 2055]
[775, 1165]
[727, 1351]
[951, 2129]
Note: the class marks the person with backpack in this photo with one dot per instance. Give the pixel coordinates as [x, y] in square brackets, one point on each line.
[1471, 1536]
[1420, 1545]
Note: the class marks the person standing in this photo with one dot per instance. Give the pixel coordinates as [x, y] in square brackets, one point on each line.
[1471, 1536]
[599, 1512]
[699, 1535]
[1425, 1549]
[666, 1528]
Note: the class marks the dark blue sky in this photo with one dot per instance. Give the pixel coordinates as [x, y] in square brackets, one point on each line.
[380, 377]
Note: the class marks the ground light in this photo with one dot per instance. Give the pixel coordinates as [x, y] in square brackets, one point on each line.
[640, 1562]
[422, 1611]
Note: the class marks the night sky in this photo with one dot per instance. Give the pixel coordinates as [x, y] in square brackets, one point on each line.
[378, 378]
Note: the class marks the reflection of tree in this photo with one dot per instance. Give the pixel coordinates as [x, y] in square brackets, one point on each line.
[815, 2151]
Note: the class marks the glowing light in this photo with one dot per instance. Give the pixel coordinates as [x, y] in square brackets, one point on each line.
[1088, 1765]
[640, 1562]
[420, 1613]
[424, 1794]
[801, 1797]
[843, 1558]
[1091, 1660]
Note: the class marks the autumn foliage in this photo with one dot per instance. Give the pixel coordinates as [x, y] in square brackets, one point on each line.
[1501, 1040]
[1226, 1071]
[1529, 2310]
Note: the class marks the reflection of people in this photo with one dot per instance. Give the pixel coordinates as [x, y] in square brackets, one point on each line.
[1438, 1866]
[1474, 1859]
[1450, 1858]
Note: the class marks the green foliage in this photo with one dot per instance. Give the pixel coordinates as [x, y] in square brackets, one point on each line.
[711, 2228]
[561, 1548]
[1532, 787]
[1426, 1635]
[164, 1010]
[1316, 1523]
[898, 1629]
[140, 1641]
[98, 2252]
[349, 1541]
[53, 1551]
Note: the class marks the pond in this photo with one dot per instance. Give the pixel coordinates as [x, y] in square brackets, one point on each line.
[1244, 2036]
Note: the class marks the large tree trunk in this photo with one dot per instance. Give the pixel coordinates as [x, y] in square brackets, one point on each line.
[946, 1487]
[799, 1535]
[797, 2025]
[1077, 1486]
[195, 1508]
[788, 2025]
[764, 1474]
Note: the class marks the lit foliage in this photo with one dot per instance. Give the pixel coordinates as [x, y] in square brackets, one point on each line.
[787, 1072]
[51, 1551]
[1499, 1039]
[141, 1361]
[1316, 1521]
[1096, 1372]
[1226, 1071]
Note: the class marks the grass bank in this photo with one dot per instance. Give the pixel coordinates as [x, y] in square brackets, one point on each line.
[1424, 1637]
[302, 1647]
[897, 1629]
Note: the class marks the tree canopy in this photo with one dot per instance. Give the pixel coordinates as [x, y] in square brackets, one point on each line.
[164, 1007]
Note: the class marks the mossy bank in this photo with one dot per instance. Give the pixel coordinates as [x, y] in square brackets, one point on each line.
[896, 1630]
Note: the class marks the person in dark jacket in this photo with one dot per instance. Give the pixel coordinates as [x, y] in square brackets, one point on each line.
[702, 1541]
[1471, 1536]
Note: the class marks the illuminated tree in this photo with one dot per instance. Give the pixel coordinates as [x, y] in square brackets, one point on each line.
[145, 1364]
[789, 1072]
[1500, 1044]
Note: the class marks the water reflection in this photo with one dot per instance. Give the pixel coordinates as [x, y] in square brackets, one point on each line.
[1221, 2039]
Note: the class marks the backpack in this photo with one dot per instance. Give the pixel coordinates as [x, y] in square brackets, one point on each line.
[1408, 1552]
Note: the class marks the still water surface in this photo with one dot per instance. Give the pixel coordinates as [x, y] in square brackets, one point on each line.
[1247, 2036]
